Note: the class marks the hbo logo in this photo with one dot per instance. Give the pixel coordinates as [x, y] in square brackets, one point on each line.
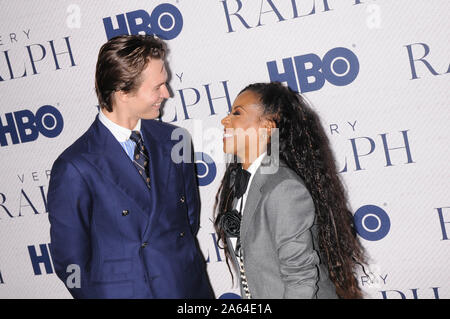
[372, 222]
[205, 167]
[339, 66]
[48, 121]
[165, 21]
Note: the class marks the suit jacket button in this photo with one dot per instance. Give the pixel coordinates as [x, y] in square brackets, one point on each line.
[144, 244]
[182, 234]
[182, 199]
[125, 212]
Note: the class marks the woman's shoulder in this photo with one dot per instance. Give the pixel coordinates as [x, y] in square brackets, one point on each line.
[286, 191]
[283, 174]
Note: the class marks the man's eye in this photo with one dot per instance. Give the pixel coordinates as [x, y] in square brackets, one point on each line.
[235, 113]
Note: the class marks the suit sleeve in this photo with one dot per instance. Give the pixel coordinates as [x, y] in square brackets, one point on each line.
[291, 216]
[69, 205]
[190, 185]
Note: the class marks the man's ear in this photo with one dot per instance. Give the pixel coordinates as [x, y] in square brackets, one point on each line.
[121, 96]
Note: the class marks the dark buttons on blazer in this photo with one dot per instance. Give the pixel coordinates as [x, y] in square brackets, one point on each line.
[144, 244]
[182, 199]
[125, 212]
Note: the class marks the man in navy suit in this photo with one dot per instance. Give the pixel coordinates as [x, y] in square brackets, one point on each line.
[123, 214]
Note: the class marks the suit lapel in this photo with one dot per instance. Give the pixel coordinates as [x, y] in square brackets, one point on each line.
[108, 156]
[159, 170]
[254, 194]
[253, 197]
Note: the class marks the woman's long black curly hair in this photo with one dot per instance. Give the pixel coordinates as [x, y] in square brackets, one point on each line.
[305, 148]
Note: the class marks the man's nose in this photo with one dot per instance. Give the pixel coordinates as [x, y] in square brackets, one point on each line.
[165, 92]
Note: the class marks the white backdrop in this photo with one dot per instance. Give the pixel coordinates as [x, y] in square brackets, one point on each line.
[384, 103]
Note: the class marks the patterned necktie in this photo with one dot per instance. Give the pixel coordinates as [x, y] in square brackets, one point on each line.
[141, 157]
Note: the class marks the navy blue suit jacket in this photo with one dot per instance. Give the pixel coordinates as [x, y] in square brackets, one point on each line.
[129, 241]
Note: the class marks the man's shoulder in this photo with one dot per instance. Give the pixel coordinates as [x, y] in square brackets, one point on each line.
[162, 129]
[77, 148]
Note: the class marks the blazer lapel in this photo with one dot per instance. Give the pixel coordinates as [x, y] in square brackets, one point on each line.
[159, 170]
[254, 193]
[108, 156]
[253, 198]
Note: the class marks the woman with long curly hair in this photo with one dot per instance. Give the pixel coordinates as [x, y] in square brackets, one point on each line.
[281, 210]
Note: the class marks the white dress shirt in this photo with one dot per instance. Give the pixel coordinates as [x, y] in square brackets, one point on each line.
[122, 134]
[252, 170]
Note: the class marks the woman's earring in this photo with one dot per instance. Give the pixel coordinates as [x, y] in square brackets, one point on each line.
[263, 137]
[264, 134]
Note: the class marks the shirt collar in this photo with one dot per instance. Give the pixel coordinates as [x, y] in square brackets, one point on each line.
[256, 163]
[121, 133]
[252, 170]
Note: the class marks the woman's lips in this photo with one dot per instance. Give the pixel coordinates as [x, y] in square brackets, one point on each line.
[228, 132]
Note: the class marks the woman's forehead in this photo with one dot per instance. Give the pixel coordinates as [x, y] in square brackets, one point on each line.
[247, 100]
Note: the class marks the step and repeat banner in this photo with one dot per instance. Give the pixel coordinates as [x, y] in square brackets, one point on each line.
[377, 72]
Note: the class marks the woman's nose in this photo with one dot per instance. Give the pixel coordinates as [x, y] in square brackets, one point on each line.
[225, 119]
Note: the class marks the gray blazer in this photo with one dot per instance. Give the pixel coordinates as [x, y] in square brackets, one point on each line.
[278, 238]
